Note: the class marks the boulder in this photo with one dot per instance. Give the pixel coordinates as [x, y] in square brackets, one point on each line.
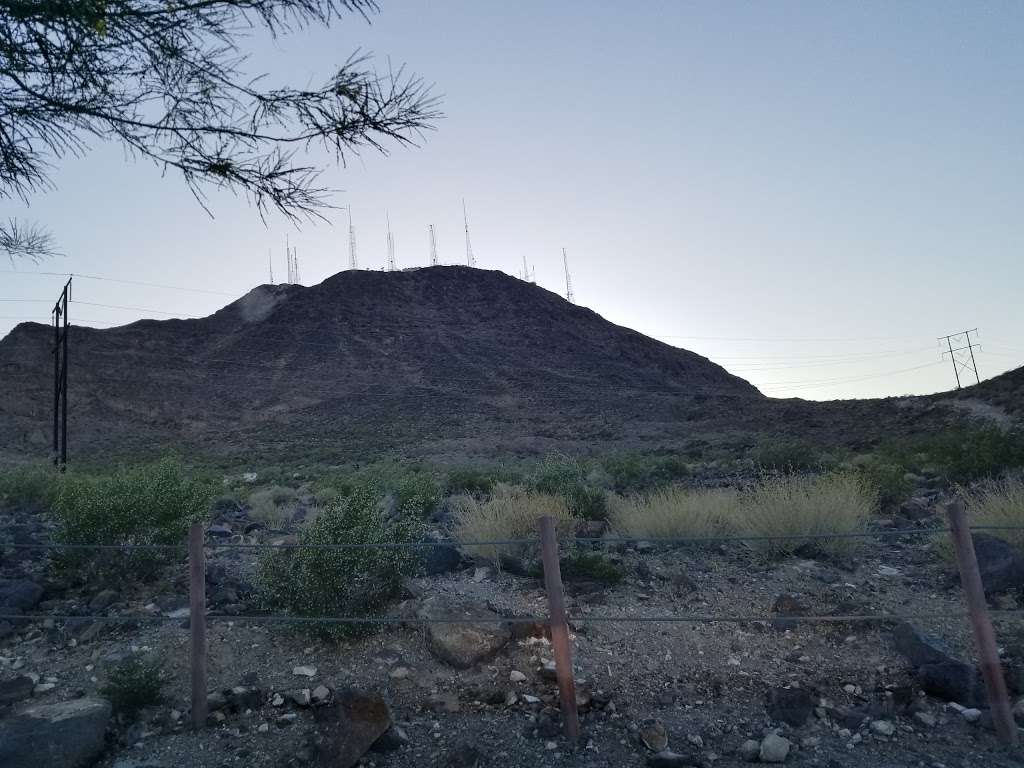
[462, 645]
[917, 508]
[1001, 566]
[441, 558]
[953, 681]
[792, 706]
[917, 648]
[19, 595]
[787, 605]
[103, 599]
[774, 749]
[65, 735]
[16, 689]
[349, 727]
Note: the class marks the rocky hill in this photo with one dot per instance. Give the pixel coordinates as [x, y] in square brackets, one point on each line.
[445, 362]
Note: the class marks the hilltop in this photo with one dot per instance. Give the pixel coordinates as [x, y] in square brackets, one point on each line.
[441, 362]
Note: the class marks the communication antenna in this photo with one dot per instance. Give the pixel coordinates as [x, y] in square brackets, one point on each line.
[270, 264]
[470, 258]
[392, 266]
[433, 247]
[352, 262]
[526, 270]
[568, 280]
[295, 260]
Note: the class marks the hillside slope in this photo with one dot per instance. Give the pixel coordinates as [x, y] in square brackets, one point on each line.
[431, 361]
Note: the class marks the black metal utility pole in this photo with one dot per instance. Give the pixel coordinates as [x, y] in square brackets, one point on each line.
[60, 378]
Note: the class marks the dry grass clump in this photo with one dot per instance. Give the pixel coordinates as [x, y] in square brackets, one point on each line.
[510, 513]
[998, 503]
[272, 507]
[675, 512]
[791, 506]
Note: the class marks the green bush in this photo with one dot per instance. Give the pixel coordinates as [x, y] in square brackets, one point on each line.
[273, 506]
[32, 486]
[133, 685]
[565, 477]
[151, 504]
[787, 455]
[591, 566]
[631, 473]
[471, 481]
[417, 493]
[346, 582]
[961, 454]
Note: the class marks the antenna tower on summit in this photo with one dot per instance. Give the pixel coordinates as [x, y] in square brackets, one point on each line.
[433, 247]
[288, 260]
[392, 265]
[470, 258]
[568, 280]
[295, 263]
[352, 261]
[270, 263]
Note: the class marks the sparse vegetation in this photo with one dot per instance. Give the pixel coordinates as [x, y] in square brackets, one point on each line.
[561, 476]
[151, 504]
[961, 454]
[471, 481]
[591, 566]
[133, 685]
[33, 486]
[811, 505]
[787, 456]
[631, 473]
[676, 512]
[272, 507]
[511, 513]
[998, 503]
[349, 582]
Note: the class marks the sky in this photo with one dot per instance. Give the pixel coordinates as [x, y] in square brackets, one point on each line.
[810, 194]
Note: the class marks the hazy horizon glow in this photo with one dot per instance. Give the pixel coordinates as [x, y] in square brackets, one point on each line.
[806, 194]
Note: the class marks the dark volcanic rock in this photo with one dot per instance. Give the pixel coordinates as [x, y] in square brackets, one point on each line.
[792, 706]
[19, 595]
[349, 727]
[65, 735]
[1001, 566]
[15, 689]
[917, 648]
[953, 681]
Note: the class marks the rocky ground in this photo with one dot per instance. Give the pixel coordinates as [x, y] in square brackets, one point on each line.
[659, 694]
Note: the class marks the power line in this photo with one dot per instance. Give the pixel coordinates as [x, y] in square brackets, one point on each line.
[117, 280]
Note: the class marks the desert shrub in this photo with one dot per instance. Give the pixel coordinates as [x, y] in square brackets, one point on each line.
[812, 505]
[347, 582]
[565, 477]
[273, 506]
[510, 513]
[591, 566]
[32, 486]
[997, 503]
[631, 473]
[961, 454]
[133, 685]
[150, 504]
[471, 481]
[887, 477]
[417, 494]
[787, 455]
[675, 512]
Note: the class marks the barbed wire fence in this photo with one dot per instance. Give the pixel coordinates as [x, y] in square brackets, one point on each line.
[558, 620]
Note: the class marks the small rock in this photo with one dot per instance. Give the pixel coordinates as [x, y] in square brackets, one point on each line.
[971, 715]
[103, 600]
[394, 738]
[669, 759]
[301, 698]
[304, 671]
[16, 689]
[399, 673]
[792, 706]
[277, 700]
[750, 750]
[516, 676]
[463, 756]
[321, 694]
[350, 726]
[925, 718]
[263, 728]
[882, 728]
[463, 645]
[653, 735]
[774, 749]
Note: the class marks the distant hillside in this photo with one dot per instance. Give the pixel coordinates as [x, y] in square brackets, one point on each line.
[445, 362]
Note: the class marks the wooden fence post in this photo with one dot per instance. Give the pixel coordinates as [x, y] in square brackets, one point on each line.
[197, 622]
[981, 624]
[559, 628]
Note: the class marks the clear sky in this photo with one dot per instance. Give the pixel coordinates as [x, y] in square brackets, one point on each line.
[808, 193]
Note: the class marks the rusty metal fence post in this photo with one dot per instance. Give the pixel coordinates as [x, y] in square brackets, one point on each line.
[559, 628]
[981, 624]
[197, 622]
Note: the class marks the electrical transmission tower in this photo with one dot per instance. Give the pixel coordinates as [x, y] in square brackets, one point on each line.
[568, 280]
[433, 247]
[960, 362]
[352, 262]
[392, 264]
[470, 258]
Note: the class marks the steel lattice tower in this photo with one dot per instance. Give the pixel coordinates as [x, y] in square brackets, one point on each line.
[433, 247]
[470, 258]
[568, 280]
